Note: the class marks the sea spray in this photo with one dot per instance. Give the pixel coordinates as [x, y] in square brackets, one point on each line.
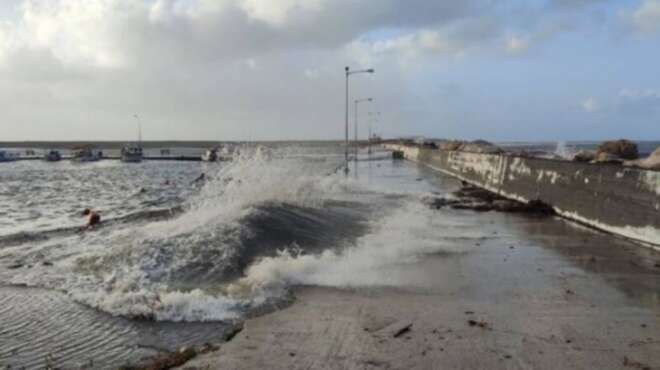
[264, 222]
[564, 151]
[411, 231]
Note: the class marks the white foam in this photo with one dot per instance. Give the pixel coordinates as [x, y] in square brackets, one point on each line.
[400, 238]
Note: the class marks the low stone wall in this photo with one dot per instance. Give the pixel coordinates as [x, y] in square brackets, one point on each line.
[620, 200]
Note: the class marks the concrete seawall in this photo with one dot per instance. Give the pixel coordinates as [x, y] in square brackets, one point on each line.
[620, 200]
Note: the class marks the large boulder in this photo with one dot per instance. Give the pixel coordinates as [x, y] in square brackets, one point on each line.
[651, 162]
[584, 156]
[624, 149]
[603, 157]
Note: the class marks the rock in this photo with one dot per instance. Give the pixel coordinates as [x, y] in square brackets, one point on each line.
[399, 328]
[469, 191]
[506, 205]
[207, 347]
[168, 360]
[651, 162]
[475, 206]
[584, 156]
[537, 206]
[481, 200]
[627, 362]
[15, 266]
[439, 203]
[481, 324]
[603, 157]
[624, 149]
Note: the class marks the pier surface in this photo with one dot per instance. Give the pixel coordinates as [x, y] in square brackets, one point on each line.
[541, 293]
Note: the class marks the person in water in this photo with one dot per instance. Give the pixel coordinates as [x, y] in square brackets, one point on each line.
[93, 218]
[200, 179]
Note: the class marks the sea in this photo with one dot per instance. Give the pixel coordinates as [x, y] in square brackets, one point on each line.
[178, 262]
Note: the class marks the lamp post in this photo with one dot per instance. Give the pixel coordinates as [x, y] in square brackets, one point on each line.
[139, 125]
[348, 74]
[358, 101]
[371, 118]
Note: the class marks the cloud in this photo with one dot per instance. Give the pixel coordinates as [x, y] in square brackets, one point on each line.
[453, 41]
[216, 68]
[277, 13]
[590, 105]
[516, 45]
[646, 17]
[570, 4]
[639, 103]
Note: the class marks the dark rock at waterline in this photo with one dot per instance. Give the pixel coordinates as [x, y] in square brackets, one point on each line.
[469, 191]
[15, 266]
[624, 149]
[166, 361]
[584, 156]
[651, 162]
[438, 203]
[603, 157]
[481, 200]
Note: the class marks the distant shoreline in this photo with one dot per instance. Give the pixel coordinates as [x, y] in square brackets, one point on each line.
[145, 144]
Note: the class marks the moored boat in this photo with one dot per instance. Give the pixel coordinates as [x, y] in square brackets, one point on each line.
[53, 156]
[132, 154]
[6, 157]
[85, 155]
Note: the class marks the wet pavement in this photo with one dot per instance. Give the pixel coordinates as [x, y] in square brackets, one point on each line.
[529, 293]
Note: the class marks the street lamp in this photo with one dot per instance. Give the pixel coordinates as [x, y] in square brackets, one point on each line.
[139, 127]
[358, 101]
[372, 115]
[348, 74]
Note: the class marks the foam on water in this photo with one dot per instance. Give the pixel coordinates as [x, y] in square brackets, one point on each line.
[399, 238]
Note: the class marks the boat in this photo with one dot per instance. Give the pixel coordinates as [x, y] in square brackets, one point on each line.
[132, 154]
[6, 157]
[84, 155]
[53, 156]
[211, 155]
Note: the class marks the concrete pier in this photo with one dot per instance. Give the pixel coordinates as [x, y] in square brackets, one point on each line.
[620, 200]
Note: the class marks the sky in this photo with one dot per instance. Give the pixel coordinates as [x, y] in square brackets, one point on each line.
[501, 70]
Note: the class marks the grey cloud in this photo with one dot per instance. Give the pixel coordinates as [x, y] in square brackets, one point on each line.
[186, 73]
[639, 103]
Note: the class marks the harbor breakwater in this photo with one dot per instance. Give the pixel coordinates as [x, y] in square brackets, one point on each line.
[620, 200]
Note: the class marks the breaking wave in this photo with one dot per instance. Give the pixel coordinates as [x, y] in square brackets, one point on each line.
[264, 222]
